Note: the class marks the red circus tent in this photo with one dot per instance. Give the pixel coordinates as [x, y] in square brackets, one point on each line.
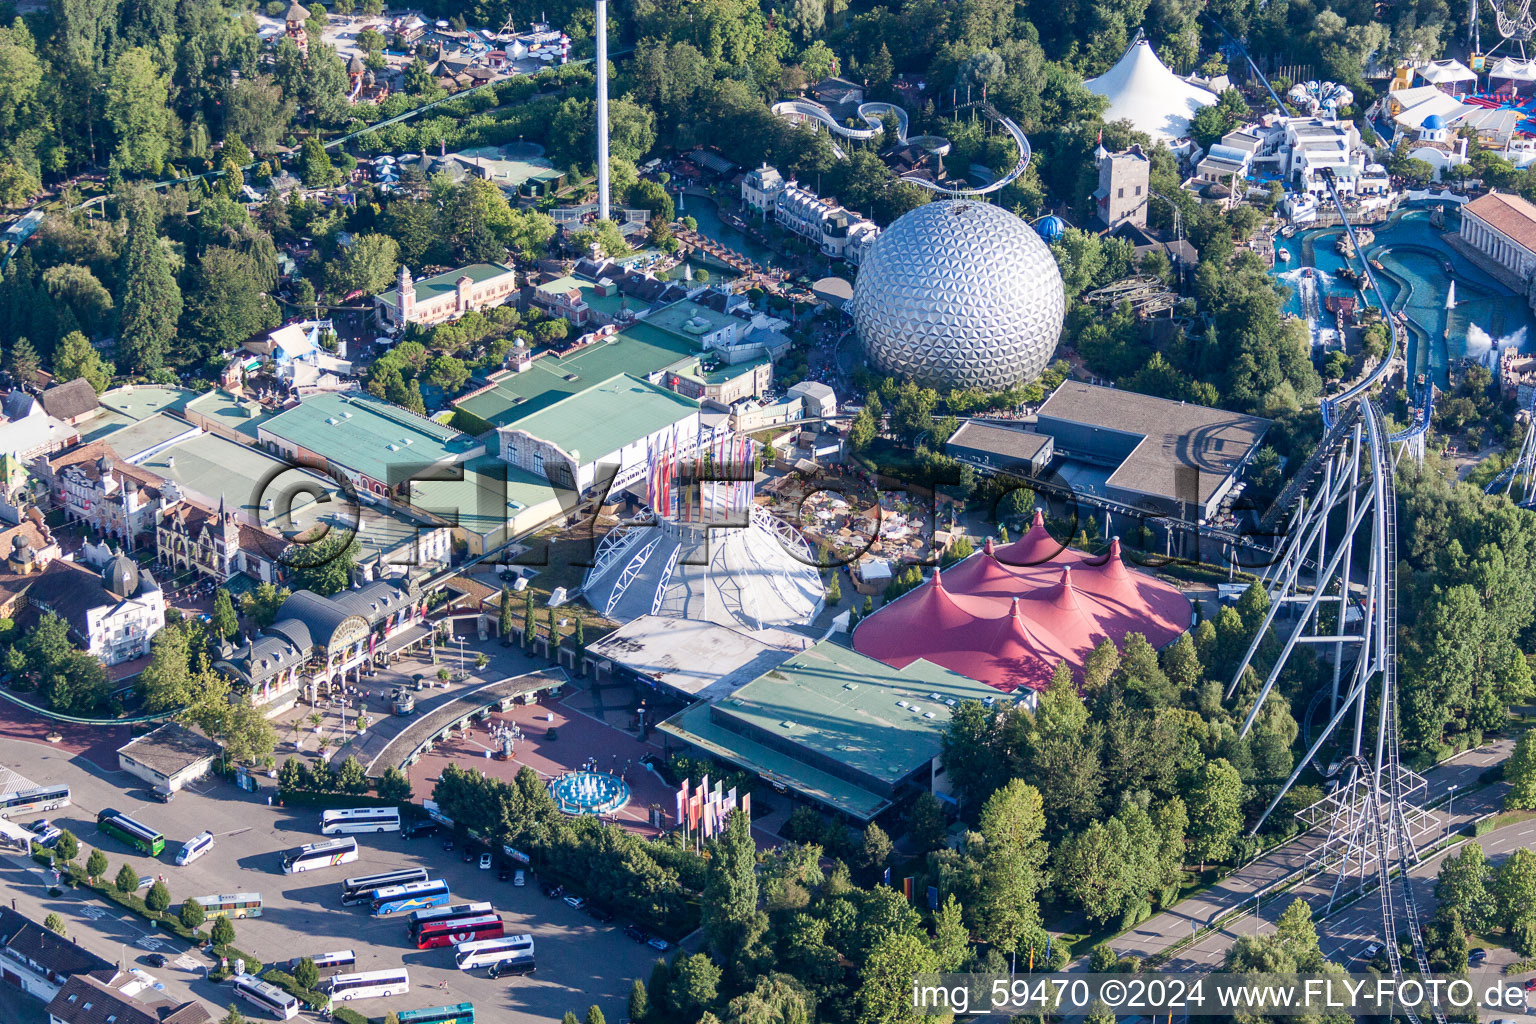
[1006, 615]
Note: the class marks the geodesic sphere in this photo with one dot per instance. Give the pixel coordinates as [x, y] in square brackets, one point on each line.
[959, 293]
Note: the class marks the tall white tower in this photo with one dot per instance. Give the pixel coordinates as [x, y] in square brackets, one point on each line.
[602, 109]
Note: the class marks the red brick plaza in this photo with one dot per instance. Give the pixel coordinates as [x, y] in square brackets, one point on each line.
[580, 738]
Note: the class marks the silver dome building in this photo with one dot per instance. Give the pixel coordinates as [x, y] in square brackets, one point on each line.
[959, 293]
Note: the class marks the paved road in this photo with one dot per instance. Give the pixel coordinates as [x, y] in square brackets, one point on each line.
[580, 961]
[1163, 930]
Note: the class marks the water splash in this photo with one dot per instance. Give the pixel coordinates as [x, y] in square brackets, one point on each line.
[1483, 346]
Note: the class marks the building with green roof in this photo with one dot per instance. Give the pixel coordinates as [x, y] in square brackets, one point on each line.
[370, 442]
[705, 327]
[445, 296]
[487, 502]
[551, 377]
[838, 728]
[614, 424]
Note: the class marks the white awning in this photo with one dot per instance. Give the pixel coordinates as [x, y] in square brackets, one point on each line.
[1444, 72]
[1514, 70]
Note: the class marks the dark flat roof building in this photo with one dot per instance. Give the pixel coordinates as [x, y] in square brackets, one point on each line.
[1000, 449]
[1164, 457]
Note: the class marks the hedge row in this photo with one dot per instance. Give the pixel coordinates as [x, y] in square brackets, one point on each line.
[325, 801]
[311, 999]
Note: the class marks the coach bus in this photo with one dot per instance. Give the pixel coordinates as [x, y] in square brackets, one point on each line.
[449, 931]
[38, 798]
[360, 819]
[415, 896]
[266, 997]
[369, 984]
[416, 921]
[485, 952]
[320, 855]
[140, 837]
[361, 889]
[329, 964]
[463, 1013]
[239, 904]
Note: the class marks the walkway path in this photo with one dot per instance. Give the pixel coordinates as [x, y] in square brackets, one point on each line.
[381, 749]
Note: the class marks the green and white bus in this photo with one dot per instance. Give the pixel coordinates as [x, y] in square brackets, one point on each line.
[462, 1013]
[140, 837]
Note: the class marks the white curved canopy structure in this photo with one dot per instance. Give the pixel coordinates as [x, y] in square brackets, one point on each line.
[1142, 90]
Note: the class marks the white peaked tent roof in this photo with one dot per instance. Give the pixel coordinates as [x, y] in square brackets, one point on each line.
[1519, 70]
[1441, 72]
[1143, 91]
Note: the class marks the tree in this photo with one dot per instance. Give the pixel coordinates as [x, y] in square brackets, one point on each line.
[876, 851]
[95, 865]
[504, 620]
[24, 362]
[223, 931]
[925, 822]
[226, 303]
[139, 110]
[325, 563]
[81, 301]
[530, 624]
[639, 1002]
[262, 603]
[730, 915]
[75, 357]
[885, 978]
[394, 786]
[315, 164]
[258, 113]
[694, 985]
[1514, 888]
[225, 623]
[1520, 773]
[554, 632]
[127, 879]
[166, 681]
[1215, 811]
[67, 847]
[158, 898]
[951, 938]
[149, 299]
[234, 1016]
[306, 973]
[55, 924]
[368, 265]
[192, 914]
[1462, 885]
[595, 1015]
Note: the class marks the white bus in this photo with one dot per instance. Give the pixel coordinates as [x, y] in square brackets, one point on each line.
[320, 855]
[194, 848]
[485, 952]
[360, 819]
[369, 984]
[38, 798]
[329, 964]
[266, 997]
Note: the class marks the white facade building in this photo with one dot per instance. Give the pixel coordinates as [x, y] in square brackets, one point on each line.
[114, 614]
[1503, 228]
[834, 230]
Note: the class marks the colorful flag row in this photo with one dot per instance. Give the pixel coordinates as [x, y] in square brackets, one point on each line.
[705, 810]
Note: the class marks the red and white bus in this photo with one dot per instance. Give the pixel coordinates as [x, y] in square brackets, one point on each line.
[452, 931]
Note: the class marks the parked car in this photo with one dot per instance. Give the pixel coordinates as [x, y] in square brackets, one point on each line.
[448, 844]
[426, 827]
[485, 862]
[634, 932]
[45, 833]
[517, 877]
[1477, 956]
[468, 856]
[156, 960]
[658, 943]
[553, 891]
[504, 873]
[599, 913]
[576, 901]
[1371, 950]
[145, 881]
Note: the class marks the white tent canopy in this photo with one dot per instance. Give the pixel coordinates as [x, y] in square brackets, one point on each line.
[1445, 72]
[1142, 90]
[1515, 70]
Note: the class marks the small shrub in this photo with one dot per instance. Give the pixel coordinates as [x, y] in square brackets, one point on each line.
[127, 879]
[55, 924]
[223, 931]
[158, 898]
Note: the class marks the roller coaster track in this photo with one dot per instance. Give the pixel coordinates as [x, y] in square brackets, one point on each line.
[1524, 468]
[873, 114]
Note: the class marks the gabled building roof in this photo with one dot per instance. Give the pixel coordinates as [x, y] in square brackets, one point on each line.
[25, 940]
[1510, 214]
[71, 401]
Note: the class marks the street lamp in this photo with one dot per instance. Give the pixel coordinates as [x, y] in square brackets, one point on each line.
[1450, 808]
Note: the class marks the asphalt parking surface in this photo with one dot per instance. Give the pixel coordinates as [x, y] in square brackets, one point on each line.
[581, 962]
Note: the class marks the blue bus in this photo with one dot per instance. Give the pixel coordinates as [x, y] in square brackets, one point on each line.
[414, 896]
[463, 1013]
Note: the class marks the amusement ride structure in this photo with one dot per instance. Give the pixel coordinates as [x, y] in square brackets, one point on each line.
[1514, 22]
[1340, 510]
[874, 114]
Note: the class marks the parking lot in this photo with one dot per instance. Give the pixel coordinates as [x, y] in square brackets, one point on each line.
[581, 962]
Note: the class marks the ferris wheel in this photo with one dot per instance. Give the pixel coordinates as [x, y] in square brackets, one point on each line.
[1514, 22]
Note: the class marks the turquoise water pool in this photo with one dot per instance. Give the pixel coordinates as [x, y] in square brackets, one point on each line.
[1418, 268]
